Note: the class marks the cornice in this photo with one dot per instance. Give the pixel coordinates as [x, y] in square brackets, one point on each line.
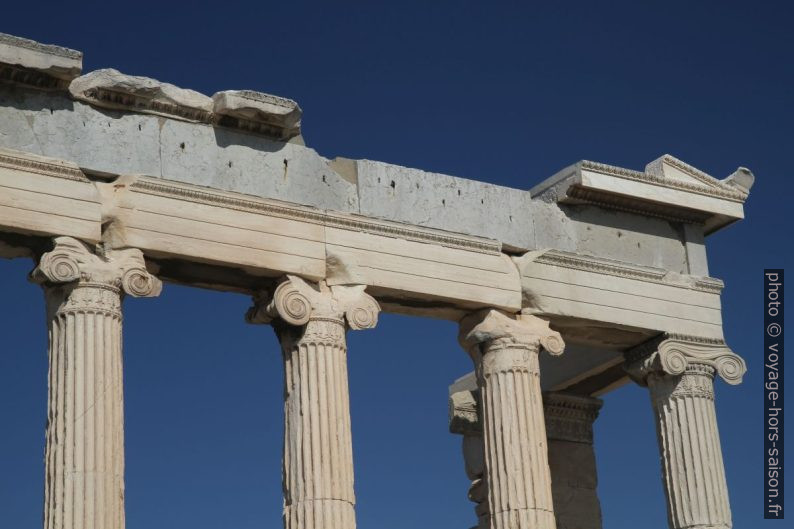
[619, 269]
[315, 216]
[636, 205]
[32, 45]
[41, 166]
[136, 103]
[712, 190]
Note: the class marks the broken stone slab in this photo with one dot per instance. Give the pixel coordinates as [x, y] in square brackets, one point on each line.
[258, 112]
[28, 62]
[109, 88]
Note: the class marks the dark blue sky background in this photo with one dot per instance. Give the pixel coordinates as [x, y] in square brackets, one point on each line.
[501, 92]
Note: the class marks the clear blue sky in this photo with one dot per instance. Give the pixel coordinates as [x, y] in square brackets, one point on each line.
[504, 93]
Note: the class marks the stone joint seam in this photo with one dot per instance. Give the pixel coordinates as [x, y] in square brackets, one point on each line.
[316, 217]
[603, 266]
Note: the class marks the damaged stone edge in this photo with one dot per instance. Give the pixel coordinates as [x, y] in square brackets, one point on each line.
[29, 63]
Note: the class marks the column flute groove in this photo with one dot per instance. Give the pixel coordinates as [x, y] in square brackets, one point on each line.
[516, 468]
[311, 323]
[84, 452]
[679, 373]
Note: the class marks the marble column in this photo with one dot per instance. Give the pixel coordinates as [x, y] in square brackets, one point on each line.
[679, 371]
[569, 429]
[84, 455]
[505, 353]
[464, 419]
[310, 322]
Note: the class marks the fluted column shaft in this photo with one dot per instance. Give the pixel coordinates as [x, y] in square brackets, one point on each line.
[689, 445]
[505, 351]
[311, 322]
[679, 371]
[318, 449]
[514, 435]
[84, 454]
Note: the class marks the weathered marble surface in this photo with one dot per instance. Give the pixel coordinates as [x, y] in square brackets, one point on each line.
[311, 322]
[56, 61]
[84, 455]
[679, 372]
[109, 88]
[108, 141]
[222, 193]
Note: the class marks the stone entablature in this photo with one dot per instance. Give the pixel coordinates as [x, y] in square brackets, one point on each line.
[220, 192]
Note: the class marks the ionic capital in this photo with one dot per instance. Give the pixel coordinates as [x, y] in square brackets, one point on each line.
[296, 302]
[487, 328]
[673, 354]
[72, 261]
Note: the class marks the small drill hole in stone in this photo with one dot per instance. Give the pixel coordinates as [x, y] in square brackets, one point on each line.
[393, 185]
[182, 145]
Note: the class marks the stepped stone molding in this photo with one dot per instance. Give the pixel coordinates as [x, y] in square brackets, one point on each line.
[505, 352]
[629, 205]
[570, 417]
[318, 455]
[710, 187]
[316, 216]
[40, 165]
[679, 373]
[84, 455]
[667, 189]
[619, 269]
[257, 112]
[574, 479]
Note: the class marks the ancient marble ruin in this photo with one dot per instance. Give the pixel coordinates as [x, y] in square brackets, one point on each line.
[595, 277]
